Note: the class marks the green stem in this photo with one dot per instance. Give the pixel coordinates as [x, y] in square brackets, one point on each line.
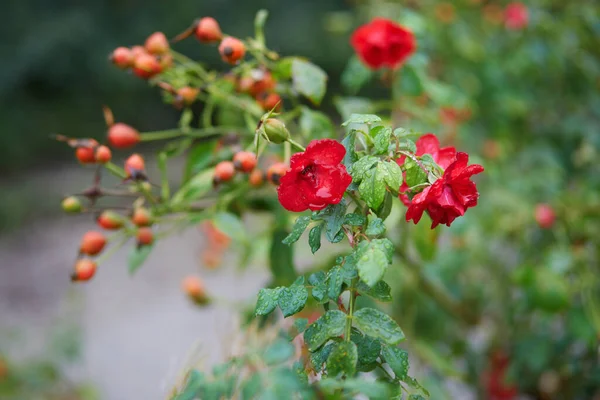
[296, 144]
[161, 135]
[115, 170]
[351, 305]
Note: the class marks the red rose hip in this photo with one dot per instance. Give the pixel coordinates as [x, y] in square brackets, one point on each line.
[122, 57]
[145, 236]
[141, 217]
[544, 215]
[232, 50]
[135, 166]
[224, 171]
[85, 155]
[110, 220]
[256, 178]
[276, 172]
[122, 136]
[244, 161]
[84, 270]
[92, 243]
[157, 43]
[103, 154]
[146, 66]
[208, 30]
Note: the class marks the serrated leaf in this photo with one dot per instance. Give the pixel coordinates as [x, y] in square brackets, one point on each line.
[415, 386]
[329, 325]
[372, 263]
[381, 139]
[335, 279]
[333, 215]
[315, 124]
[197, 186]
[355, 75]
[354, 219]
[230, 225]
[385, 208]
[300, 324]
[375, 227]
[279, 351]
[314, 238]
[319, 357]
[415, 175]
[393, 175]
[363, 119]
[281, 260]
[362, 166]
[343, 359]
[397, 359]
[368, 349]
[380, 291]
[252, 386]
[372, 188]
[309, 80]
[319, 290]
[267, 301]
[297, 230]
[349, 143]
[137, 256]
[375, 323]
[386, 245]
[407, 144]
[293, 299]
[349, 270]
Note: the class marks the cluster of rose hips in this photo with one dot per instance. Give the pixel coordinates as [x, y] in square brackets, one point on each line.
[260, 84]
[145, 61]
[246, 162]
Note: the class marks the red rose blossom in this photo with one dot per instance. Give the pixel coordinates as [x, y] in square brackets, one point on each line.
[428, 144]
[315, 178]
[383, 43]
[516, 16]
[449, 196]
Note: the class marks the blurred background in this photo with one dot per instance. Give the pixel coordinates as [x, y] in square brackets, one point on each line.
[524, 102]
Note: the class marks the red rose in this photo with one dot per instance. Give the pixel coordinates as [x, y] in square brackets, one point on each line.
[315, 178]
[494, 379]
[516, 16]
[383, 43]
[428, 144]
[449, 196]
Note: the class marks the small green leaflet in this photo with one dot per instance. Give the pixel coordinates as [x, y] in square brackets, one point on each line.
[381, 139]
[380, 291]
[329, 325]
[349, 143]
[368, 350]
[372, 187]
[375, 227]
[335, 279]
[372, 262]
[319, 357]
[298, 229]
[343, 359]
[320, 289]
[137, 256]
[309, 80]
[360, 167]
[231, 226]
[397, 359]
[333, 215]
[314, 238]
[354, 219]
[415, 173]
[375, 323]
[363, 119]
[292, 299]
[267, 301]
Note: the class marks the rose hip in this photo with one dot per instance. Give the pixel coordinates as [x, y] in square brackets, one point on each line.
[122, 136]
[208, 30]
[84, 270]
[244, 161]
[92, 243]
[232, 50]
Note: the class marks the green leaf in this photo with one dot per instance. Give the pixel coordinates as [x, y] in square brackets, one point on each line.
[315, 124]
[192, 386]
[198, 185]
[346, 106]
[393, 175]
[362, 166]
[333, 215]
[349, 143]
[372, 187]
[314, 238]
[375, 227]
[267, 301]
[374, 323]
[386, 246]
[320, 289]
[281, 260]
[397, 359]
[343, 359]
[335, 279]
[368, 350]
[416, 388]
[292, 299]
[355, 75]
[363, 119]
[380, 291]
[300, 324]
[415, 175]
[329, 325]
[279, 351]
[309, 80]
[252, 386]
[381, 139]
[297, 230]
[372, 390]
[409, 82]
[372, 263]
[385, 209]
[354, 219]
[407, 144]
[186, 119]
[319, 357]
[137, 256]
[231, 226]
[199, 157]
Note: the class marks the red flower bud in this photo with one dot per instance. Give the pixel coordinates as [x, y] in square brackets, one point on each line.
[145, 236]
[141, 217]
[92, 243]
[135, 166]
[224, 171]
[84, 270]
[122, 136]
[157, 43]
[244, 161]
[544, 216]
[103, 154]
[71, 205]
[269, 101]
[276, 172]
[208, 30]
[257, 178]
[122, 57]
[146, 66]
[110, 220]
[232, 50]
